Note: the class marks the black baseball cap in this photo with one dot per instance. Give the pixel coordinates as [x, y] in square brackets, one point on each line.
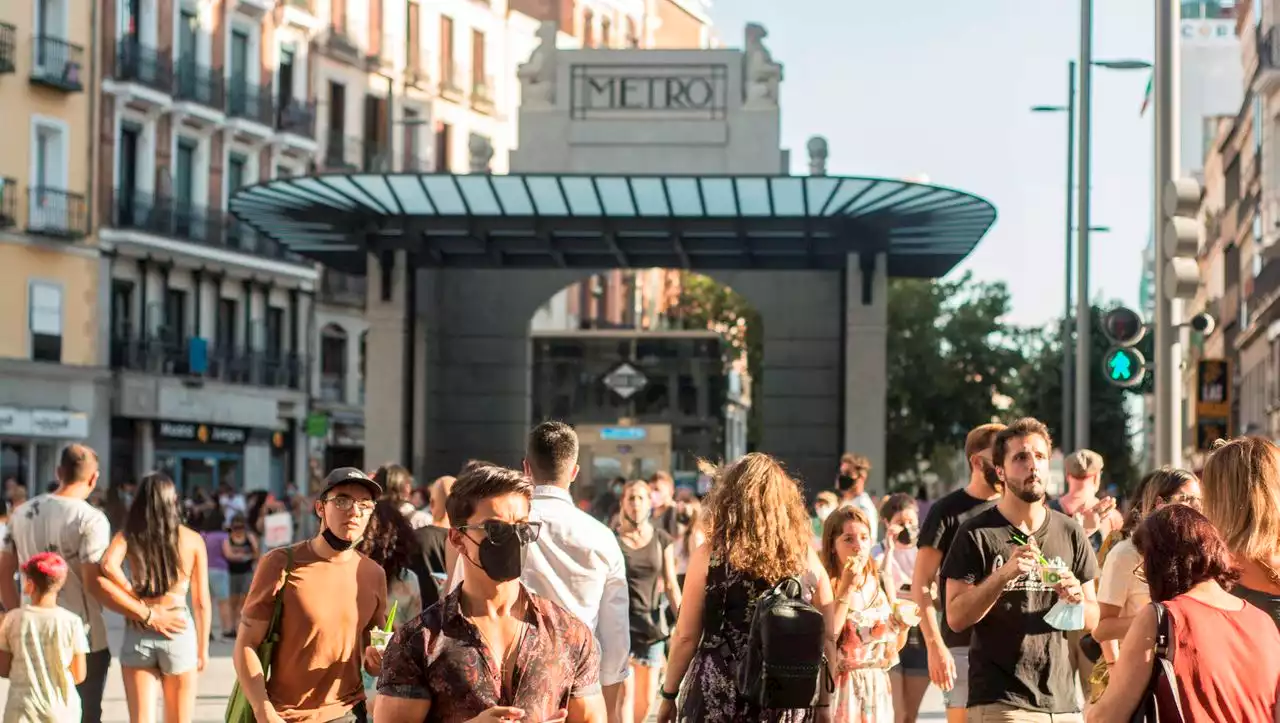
[350, 475]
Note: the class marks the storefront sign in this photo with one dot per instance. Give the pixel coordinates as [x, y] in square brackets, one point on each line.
[691, 91]
[52, 423]
[201, 433]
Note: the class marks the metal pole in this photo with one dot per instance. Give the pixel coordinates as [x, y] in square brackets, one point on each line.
[1168, 431]
[1068, 433]
[1084, 316]
[389, 164]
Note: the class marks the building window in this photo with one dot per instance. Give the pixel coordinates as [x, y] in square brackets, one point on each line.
[121, 309]
[224, 339]
[447, 79]
[333, 363]
[413, 38]
[175, 316]
[478, 63]
[45, 321]
[444, 141]
[236, 168]
[49, 206]
[1259, 120]
[275, 333]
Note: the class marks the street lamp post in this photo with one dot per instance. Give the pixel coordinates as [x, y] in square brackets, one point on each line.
[1084, 325]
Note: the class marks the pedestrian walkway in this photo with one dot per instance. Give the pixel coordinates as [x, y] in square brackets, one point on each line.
[218, 677]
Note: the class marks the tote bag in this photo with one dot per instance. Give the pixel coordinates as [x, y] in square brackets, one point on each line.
[238, 708]
[1153, 708]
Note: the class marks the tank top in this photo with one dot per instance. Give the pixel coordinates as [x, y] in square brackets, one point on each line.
[240, 567]
[644, 575]
[1227, 662]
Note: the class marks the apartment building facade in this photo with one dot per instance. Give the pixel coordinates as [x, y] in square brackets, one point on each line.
[209, 326]
[53, 389]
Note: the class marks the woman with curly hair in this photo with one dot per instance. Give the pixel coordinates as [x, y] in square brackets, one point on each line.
[758, 534]
[390, 542]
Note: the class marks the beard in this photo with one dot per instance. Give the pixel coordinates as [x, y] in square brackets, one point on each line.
[992, 477]
[1027, 492]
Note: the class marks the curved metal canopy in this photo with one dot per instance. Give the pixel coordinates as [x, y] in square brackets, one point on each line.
[602, 221]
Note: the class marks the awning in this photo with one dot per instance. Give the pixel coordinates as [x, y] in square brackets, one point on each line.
[631, 221]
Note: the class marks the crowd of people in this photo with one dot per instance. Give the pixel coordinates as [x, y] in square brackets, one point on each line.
[496, 596]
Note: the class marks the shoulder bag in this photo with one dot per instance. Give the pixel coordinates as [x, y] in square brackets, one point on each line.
[1163, 685]
[238, 708]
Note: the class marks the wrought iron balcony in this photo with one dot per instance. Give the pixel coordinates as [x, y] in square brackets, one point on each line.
[343, 289]
[55, 63]
[415, 162]
[297, 117]
[343, 153]
[333, 387]
[482, 95]
[56, 212]
[146, 66]
[340, 45]
[163, 354]
[451, 83]
[250, 102]
[184, 221]
[8, 203]
[415, 72]
[200, 84]
[8, 48]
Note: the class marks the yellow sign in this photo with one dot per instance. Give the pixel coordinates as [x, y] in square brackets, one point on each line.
[202, 433]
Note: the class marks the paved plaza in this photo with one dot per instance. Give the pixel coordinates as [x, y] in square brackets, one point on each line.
[217, 678]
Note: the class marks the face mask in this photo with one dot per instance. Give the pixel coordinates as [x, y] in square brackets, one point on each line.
[617, 490]
[655, 499]
[337, 543]
[127, 498]
[822, 512]
[907, 535]
[503, 562]
[683, 518]
[844, 483]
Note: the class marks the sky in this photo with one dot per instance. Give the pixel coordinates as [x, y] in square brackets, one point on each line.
[943, 88]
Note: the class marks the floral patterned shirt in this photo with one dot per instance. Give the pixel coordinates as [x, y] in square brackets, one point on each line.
[440, 657]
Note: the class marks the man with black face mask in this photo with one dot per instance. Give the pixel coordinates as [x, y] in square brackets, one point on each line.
[331, 596]
[491, 650]
[948, 650]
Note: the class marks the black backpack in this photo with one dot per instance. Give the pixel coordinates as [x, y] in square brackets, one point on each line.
[785, 663]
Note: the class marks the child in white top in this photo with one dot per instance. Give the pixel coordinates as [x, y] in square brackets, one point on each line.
[43, 648]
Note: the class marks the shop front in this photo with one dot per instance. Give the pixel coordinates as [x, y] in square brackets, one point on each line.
[32, 439]
[201, 456]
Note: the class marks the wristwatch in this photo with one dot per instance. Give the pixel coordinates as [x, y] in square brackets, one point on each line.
[668, 696]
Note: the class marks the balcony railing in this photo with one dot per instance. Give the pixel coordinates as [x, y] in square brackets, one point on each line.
[57, 63]
[343, 153]
[339, 43]
[162, 354]
[56, 212]
[200, 84]
[482, 95]
[8, 48]
[297, 117]
[451, 82]
[415, 72]
[185, 221]
[333, 387]
[250, 102]
[8, 203]
[414, 162]
[146, 66]
[343, 289]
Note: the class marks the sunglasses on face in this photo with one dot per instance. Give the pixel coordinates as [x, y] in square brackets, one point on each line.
[345, 503]
[500, 532]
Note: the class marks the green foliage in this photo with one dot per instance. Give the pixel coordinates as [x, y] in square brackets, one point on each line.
[949, 356]
[1110, 426]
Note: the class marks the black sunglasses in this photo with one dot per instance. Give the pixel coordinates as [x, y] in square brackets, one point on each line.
[500, 532]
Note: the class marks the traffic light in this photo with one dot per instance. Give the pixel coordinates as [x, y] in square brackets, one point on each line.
[1180, 238]
[1123, 365]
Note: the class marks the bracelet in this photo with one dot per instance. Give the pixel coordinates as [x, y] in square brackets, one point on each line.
[150, 612]
[662, 691]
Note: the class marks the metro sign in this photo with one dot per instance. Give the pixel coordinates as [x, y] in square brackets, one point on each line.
[625, 380]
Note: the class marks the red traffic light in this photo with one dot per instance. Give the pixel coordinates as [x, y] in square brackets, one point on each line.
[1123, 326]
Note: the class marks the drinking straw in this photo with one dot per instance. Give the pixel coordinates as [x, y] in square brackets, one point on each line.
[391, 616]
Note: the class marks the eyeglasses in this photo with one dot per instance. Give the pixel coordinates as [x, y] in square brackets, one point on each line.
[1191, 501]
[345, 504]
[500, 532]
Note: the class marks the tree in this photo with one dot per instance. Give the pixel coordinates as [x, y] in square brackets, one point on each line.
[708, 304]
[1110, 430]
[950, 358]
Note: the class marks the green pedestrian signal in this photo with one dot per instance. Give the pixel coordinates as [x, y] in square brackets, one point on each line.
[1124, 366]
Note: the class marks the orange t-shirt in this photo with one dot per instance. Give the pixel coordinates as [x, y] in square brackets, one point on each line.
[329, 607]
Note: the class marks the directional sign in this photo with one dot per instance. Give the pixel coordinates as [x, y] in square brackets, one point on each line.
[625, 380]
[1124, 366]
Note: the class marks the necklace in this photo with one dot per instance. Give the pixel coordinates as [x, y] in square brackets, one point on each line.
[517, 639]
[1272, 573]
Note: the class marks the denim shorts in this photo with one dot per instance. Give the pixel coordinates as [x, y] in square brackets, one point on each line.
[649, 655]
[147, 649]
[958, 696]
[219, 584]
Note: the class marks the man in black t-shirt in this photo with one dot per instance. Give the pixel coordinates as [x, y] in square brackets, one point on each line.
[1020, 666]
[948, 649]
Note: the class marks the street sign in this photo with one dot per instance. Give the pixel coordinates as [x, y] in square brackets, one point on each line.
[1124, 366]
[623, 434]
[1213, 402]
[625, 380]
[1123, 326]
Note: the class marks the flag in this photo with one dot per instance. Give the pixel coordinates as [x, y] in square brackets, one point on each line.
[1146, 97]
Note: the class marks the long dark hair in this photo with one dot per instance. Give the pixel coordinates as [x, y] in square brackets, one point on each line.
[151, 530]
[389, 539]
[1181, 549]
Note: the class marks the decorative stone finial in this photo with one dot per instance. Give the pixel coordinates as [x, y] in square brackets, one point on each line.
[817, 156]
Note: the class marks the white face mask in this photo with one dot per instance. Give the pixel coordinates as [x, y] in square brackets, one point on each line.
[822, 511]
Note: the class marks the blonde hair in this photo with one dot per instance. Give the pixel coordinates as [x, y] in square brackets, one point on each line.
[1241, 483]
[832, 528]
[756, 521]
[694, 508]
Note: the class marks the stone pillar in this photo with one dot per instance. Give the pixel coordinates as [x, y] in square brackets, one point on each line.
[351, 385]
[866, 327]
[384, 369]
